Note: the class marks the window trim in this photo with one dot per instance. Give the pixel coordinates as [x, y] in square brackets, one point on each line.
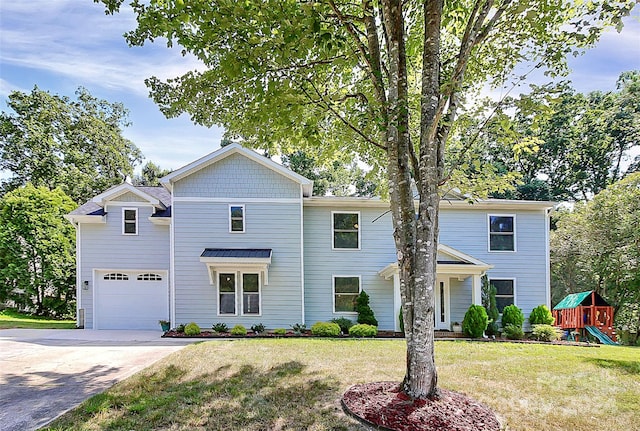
[258, 273]
[489, 233]
[125, 222]
[513, 280]
[244, 218]
[333, 293]
[235, 293]
[333, 244]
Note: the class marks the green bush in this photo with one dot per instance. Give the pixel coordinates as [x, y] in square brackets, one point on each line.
[401, 319]
[489, 303]
[298, 328]
[545, 332]
[512, 315]
[541, 316]
[192, 329]
[257, 329]
[325, 329]
[220, 328]
[238, 330]
[513, 332]
[365, 313]
[180, 328]
[475, 321]
[280, 331]
[343, 323]
[363, 330]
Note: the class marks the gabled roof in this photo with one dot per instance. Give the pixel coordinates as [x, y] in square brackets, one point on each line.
[209, 159]
[577, 299]
[93, 210]
[450, 261]
[142, 192]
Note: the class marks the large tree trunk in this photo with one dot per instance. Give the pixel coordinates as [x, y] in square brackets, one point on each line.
[415, 240]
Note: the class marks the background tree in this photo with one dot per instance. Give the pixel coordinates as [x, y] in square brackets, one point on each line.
[53, 141]
[380, 79]
[597, 247]
[37, 248]
[150, 175]
[570, 146]
[336, 177]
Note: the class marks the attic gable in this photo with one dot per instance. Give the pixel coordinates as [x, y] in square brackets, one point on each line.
[129, 193]
[229, 150]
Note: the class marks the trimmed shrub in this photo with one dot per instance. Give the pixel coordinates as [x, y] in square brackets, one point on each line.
[192, 329]
[343, 323]
[475, 321]
[365, 313]
[513, 332]
[489, 303]
[325, 329]
[363, 330]
[180, 328]
[545, 332]
[220, 328]
[238, 330]
[512, 315]
[257, 329]
[298, 328]
[541, 315]
[401, 319]
[280, 331]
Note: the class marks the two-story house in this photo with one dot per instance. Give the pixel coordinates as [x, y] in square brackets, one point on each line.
[235, 237]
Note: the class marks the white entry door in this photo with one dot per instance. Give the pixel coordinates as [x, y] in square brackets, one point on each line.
[442, 309]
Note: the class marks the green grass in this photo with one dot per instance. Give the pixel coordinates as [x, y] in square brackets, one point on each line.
[296, 384]
[13, 319]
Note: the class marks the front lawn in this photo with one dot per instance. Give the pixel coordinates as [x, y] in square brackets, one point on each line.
[296, 384]
[13, 319]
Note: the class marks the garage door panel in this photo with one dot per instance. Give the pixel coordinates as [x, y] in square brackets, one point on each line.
[131, 303]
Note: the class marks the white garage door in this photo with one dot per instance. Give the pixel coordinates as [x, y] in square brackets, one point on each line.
[131, 299]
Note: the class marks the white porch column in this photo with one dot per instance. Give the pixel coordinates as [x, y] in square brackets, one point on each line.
[476, 290]
[397, 301]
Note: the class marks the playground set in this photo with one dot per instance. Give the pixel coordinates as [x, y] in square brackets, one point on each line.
[586, 312]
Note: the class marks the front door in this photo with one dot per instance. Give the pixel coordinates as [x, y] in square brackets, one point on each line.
[441, 314]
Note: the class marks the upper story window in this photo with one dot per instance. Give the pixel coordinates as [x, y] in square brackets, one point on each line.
[236, 218]
[505, 292]
[129, 221]
[346, 230]
[502, 233]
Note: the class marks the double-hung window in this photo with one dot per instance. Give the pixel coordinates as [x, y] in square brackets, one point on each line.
[250, 293]
[227, 293]
[346, 230]
[505, 292]
[345, 293]
[236, 218]
[129, 221]
[249, 286]
[502, 233]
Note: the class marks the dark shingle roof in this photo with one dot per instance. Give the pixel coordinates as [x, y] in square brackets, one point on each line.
[160, 193]
[237, 252]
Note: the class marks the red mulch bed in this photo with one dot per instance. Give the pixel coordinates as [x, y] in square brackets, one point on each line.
[383, 405]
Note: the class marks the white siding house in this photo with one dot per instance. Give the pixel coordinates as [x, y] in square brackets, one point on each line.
[237, 238]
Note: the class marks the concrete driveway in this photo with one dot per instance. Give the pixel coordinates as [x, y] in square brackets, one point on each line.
[44, 373]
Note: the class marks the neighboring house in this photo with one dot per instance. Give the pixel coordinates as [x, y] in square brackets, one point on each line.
[235, 237]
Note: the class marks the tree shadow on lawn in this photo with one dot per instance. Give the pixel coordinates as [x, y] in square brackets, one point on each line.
[230, 398]
[628, 367]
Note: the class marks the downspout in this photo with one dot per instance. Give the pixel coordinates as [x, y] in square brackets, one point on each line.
[547, 245]
[302, 272]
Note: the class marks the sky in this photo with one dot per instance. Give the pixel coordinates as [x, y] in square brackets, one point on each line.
[60, 45]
